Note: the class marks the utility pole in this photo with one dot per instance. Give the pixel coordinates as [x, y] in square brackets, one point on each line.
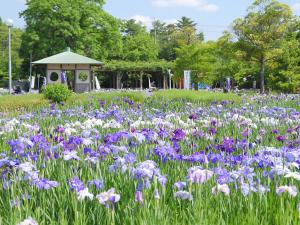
[9, 24]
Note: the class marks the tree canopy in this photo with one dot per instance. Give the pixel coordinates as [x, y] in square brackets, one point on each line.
[262, 46]
[261, 33]
[82, 25]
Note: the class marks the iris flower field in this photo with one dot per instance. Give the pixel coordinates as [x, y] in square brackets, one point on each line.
[159, 161]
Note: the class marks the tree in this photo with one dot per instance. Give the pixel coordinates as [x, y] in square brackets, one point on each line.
[186, 36]
[198, 57]
[162, 34]
[138, 45]
[132, 27]
[186, 32]
[230, 62]
[82, 25]
[159, 31]
[285, 72]
[186, 22]
[261, 32]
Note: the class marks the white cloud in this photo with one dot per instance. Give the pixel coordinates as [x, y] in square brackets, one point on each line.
[170, 21]
[201, 5]
[147, 20]
[296, 7]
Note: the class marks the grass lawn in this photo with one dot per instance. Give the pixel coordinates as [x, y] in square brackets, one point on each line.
[19, 103]
[197, 96]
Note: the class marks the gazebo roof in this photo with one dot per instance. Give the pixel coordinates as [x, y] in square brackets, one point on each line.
[68, 57]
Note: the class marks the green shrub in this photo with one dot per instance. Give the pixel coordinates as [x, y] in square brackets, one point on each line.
[57, 92]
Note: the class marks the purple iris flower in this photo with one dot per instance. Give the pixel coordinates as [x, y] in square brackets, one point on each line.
[53, 106]
[109, 196]
[98, 183]
[212, 131]
[246, 132]
[38, 139]
[162, 180]
[128, 101]
[183, 195]
[180, 185]
[44, 183]
[130, 158]
[228, 145]
[163, 133]
[290, 157]
[193, 116]
[63, 76]
[149, 134]
[6, 184]
[111, 138]
[139, 197]
[76, 184]
[213, 123]
[145, 172]
[198, 175]
[15, 203]
[86, 133]
[280, 138]
[199, 157]
[60, 130]
[87, 151]
[289, 130]
[165, 153]
[17, 147]
[223, 176]
[101, 102]
[178, 135]
[176, 146]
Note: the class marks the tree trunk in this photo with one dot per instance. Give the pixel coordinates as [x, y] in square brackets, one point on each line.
[262, 75]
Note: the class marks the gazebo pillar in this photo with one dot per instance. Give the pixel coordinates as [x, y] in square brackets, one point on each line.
[93, 80]
[119, 78]
[149, 82]
[141, 80]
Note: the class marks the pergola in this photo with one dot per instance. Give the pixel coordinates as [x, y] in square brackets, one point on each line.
[81, 66]
[157, 70]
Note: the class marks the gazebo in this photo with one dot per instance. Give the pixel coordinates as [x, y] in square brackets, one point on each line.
[80, 68]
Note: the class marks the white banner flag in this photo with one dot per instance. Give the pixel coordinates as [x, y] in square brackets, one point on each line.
[97, 83]
[187, 79]
[32, 82]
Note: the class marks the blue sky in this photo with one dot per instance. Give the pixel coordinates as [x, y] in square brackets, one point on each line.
[212, 16]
